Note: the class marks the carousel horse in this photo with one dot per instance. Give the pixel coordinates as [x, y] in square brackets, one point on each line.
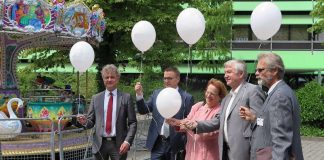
[8, 127]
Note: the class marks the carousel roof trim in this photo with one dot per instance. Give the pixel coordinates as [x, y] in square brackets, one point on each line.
[34, 16]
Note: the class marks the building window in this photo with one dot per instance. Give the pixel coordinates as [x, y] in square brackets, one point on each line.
[299, 33]
[241, 33]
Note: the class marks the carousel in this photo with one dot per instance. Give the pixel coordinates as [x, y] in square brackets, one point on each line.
[36, 130]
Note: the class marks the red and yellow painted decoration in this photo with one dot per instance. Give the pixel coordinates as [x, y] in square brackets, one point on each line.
[75, 19]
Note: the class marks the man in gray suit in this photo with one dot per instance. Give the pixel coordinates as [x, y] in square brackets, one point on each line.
[276, 131]
[113, 115]
[234, 133]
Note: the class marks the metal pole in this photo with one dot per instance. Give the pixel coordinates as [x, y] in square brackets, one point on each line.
[60, 139]
[319, 77]
[78, 83]
[52, 140]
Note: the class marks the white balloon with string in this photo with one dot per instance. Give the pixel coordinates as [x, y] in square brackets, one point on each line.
[190, 27]
[168, 102]
[265, 20]
[143, 37]
[81, 57]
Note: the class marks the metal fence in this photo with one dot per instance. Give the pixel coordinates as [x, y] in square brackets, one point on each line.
[60, 143]
[74, 144]
[26, 145]
[69, 144]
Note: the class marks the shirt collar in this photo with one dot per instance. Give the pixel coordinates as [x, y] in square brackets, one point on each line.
[236, 90]
[273, 86]
[114, 92]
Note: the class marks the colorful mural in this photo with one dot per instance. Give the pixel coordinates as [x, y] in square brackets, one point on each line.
[51, 110]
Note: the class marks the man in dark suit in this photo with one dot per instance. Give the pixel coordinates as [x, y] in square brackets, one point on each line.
[113, 115]
[276, 132]
[234, 133]
[163, 145]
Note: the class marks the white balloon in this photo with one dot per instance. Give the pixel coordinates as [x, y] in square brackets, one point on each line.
[143, 35]
[81, 56]
[265, 20]
[168, 102]
[190, 25]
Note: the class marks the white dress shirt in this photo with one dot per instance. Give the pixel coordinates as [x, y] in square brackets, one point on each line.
[114, 116]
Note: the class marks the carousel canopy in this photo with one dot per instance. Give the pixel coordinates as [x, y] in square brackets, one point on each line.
[34, 16]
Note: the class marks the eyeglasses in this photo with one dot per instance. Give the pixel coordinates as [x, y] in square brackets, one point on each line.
[167, 78]
[211, 93]
[259, 70]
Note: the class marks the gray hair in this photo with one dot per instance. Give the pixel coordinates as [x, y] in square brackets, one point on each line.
[239, 66]
[110, 68]
[273, 61]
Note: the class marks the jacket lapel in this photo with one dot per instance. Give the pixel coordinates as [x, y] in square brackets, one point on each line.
[270, 95]
[101, 107]
[118, 105]
[238, 97]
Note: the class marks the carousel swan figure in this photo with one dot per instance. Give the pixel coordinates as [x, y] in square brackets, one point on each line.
[9, 128]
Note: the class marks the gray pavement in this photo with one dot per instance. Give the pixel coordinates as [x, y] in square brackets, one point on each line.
[313, 147]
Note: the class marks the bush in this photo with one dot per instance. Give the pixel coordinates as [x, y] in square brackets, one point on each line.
[310, 99]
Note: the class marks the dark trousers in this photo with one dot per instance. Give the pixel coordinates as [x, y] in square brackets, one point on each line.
[225, 151]
[109, 149]
[162, 150]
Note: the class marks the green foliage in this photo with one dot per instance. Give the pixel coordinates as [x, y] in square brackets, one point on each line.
[218, 34]
[150, 81]
[318, 14]
[309, 130]
[168, 50]
[311, 99]
[27, 82]
[46, 58]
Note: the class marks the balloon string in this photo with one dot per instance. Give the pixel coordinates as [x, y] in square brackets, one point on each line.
[255, 61]
[79, 93]
[189, 67]
[141, 69]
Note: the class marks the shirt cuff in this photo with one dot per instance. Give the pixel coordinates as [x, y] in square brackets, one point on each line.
[139, 97]
[126, 142]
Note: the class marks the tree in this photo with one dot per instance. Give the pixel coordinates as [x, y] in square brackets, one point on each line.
[121, 15]
[318, 14]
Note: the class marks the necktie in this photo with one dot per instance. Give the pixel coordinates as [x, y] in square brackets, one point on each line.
[109, 114]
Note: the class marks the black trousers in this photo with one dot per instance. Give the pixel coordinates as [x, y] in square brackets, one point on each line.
[225, 151]
[109, 149]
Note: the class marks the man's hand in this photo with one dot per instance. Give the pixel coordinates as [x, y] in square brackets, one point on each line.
[82, 119]
[246, 114]
[138, 89]
[123, 148]
[189, 124]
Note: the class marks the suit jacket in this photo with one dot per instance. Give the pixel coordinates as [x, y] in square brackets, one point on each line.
[279, 137]
[239, 130]
[177, 140]
[126, 122]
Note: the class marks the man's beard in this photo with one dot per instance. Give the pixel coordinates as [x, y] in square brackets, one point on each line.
[265, 82]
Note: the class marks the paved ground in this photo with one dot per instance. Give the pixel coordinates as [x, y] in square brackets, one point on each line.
[313, 147]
